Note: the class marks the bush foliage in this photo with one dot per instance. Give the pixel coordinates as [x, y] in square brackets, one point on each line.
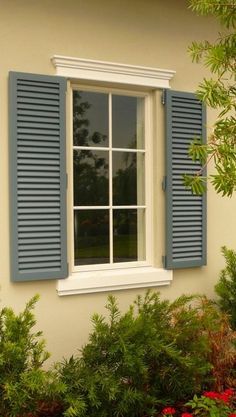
[23, 382]
[158, 352]
[226, 287]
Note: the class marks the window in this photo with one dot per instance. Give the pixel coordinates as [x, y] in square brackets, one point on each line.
[109, 236]
[109, 179]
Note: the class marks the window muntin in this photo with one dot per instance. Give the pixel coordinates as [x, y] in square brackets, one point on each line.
[109, 175]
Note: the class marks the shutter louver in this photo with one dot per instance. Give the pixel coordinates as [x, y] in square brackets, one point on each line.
[38, 177]
[185, 212]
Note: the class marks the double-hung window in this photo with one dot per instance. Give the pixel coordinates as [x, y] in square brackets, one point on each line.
[111, 182]
[84, 197]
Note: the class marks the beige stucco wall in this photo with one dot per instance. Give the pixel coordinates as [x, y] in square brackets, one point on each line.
[152, 33]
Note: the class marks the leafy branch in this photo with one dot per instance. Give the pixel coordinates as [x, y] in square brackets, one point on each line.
[218, 92]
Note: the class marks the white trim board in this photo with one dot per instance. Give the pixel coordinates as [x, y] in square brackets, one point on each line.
[103, 71]
[112, 280]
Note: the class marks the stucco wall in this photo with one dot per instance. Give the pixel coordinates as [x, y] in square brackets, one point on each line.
[152, 33]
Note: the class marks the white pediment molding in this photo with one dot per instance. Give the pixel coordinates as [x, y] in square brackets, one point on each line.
[103, 71]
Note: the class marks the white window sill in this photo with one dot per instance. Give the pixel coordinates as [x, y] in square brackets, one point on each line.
[112, 280]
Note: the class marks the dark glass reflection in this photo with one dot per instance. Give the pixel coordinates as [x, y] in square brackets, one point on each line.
[127, 122]
[125, 235]
[90, 118]
[91, 237]
[128, 178]
[91, 185]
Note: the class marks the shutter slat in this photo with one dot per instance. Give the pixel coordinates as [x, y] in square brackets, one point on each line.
[38, 222]
[37, 88]
[23, 113]
[38, 137]
[36, 186]
[38, 171]
[37, 153]
[38, 247]
[45, 108]
[24, 94]
[37, 181]
[50, 241]
[40, 102]
[46, 144]
[29, 161]
[27, 79]
[39, 252]
[194, 258]
[183, 239]
[37, 234]
[32, 211]
[27, 261]
[185, 217]
[38, 216]
[38, 205]
[40, 228]
[35, 268]
[41, 130]
[38, 177]
[184, 111]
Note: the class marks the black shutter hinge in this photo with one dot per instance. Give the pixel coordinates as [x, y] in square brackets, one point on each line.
[164, 183]
[163, 97]
[164, 261]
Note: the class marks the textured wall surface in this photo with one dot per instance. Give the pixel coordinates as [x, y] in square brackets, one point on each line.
[152, 33]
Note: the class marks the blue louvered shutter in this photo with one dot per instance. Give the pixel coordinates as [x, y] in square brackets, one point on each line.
[185, 212]
[37, 177]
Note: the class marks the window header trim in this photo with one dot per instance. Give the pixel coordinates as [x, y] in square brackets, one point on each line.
[104, 71]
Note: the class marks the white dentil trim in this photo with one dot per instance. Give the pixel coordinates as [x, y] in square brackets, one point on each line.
[88, 69]
[112, 280]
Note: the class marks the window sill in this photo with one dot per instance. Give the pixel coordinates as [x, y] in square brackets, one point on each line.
[98, 281]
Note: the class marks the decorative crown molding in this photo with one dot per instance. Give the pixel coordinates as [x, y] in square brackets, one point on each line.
[87, 69]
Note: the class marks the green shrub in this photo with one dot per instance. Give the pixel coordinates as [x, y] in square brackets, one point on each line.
[156, 353]
[23, 382]
[226, 287]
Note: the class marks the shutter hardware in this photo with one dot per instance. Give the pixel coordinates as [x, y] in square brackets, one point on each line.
[163, 97]
[164, 261]
[164, 183]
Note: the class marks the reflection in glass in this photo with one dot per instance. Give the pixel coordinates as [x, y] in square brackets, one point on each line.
[127, 122]
[91, 178]
[129, 235]
[90, 118]
[128, 178]
[91, 232]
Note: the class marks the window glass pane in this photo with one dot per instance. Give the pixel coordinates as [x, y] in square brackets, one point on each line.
[129, 235]
[91, 186]
[127, 122]
[90, 118]
[128, 178]
[91, 237]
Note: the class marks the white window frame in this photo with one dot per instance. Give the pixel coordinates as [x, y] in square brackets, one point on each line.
[148, 175]
[137, 81]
